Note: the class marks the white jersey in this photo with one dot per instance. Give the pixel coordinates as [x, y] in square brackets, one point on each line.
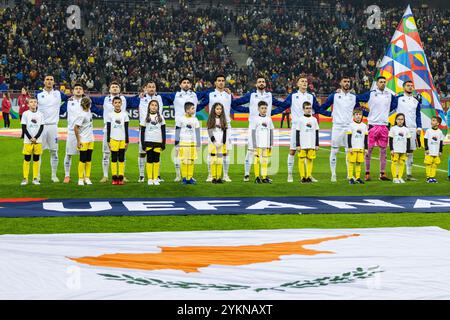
[117, 120]
[188, 126]
[223, 98]
[379, 107]
[434, 141]
[153, 131]
[216, 132]
[298, 99]
[73, 111]
[359, 132]
[400, 136]
[108, 107]
[181, 97]
[33, 122]
[262, 131]
[86, 130]
[143, 106]
[343, 105]
[408, 106]
[307, 127]
[49, 104]
[255, 98]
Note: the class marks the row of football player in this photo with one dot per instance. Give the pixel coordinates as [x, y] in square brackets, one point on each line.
[380, 103]
[187, 140]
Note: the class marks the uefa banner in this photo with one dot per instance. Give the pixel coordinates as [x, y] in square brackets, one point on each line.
[386, 263]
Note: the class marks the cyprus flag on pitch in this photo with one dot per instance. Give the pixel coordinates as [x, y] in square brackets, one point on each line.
[391, 263]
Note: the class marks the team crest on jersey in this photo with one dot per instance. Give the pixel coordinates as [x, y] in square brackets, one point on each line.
[403, 100]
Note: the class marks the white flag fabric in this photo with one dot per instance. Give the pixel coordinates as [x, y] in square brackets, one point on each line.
[385, 263]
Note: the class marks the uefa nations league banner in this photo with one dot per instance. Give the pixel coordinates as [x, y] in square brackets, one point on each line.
[387, 263]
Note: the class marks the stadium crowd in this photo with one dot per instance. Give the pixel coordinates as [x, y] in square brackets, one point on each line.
[132, 43]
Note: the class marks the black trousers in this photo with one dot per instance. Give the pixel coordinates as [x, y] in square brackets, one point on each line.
[6, 119]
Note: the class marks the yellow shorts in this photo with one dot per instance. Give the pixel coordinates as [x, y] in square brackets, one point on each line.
[307, 153]
[212, 149]
[432, 160]
[30, 149]
[263, 152]
[116, 145]
[187, 151]
[399, 157]
[85, 146]
[356, 156]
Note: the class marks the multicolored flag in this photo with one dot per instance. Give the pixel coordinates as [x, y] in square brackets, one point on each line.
[405, 60]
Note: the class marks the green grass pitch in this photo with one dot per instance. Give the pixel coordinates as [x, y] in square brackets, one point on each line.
[11, 175]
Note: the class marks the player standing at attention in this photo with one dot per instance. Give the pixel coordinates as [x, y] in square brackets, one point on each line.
[223, 96]
[262, 141]
[357, 144]
[32, 127]
[410, 106]
[153, 140]
[117, 138]
[149, 95]
[187, 140]
[380, 103]
[400, 145]
[107, 103]
[434, 142]
[217, 146]
[83, 130]
[253, 98]
[295, 101]
[49, 104]
[179, 100]
[307, 142]
[343, 102]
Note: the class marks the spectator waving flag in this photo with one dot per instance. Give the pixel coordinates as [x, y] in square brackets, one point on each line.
[405, 60]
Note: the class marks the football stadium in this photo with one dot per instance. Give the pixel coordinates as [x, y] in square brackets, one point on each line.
[224, 150]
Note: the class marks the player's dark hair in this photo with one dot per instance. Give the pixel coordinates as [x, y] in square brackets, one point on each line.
[260, 76]
[407, 81]
[306, 103]
[158, 116]
[345, 77]
[188, 105]
[302, 76]
[381, 77]
[114, 82]
[211, 124]
[219, 76]
[185, 78]
[78, 84]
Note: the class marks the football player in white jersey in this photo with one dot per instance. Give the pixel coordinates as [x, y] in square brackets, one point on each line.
[410, 105]
[253, 98]
[107, 103]
[343, 102]
[49, 104]
[223, 96]
[295, 101]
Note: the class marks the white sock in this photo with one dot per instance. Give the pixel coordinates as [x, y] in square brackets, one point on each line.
[39, 170]
[226, 165]
[333, 160]
[290, 164]
[178, 166]
[208, 161]
[141, 162]
[106, 164]
[248, 162]
[67, 165]
[54, 161]
[409, 164]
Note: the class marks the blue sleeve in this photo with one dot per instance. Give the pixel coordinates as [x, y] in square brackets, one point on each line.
[363, 97]
[394, 103]
[316, 105]
[64, 97]
[98, 111]
[167, 98]
[357, 105]
[202, 94]
[203, 103]
[133, 101]
[323, 109]
[284, 105]
[63, 108]
[99, 101]
[276, 102]
[419, 115]
[242, 100]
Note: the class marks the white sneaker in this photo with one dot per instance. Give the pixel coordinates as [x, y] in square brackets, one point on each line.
[55, 179]
[396, 180]
[209, 179]
[156, 182]
[141, 179]
[88, 181]
[401, 180]
[177, 179]
[104, 180]
[160, 180]
[36, 182]
[150, 182]
[81, 182]
[226, 179]
[290, 178]
[333, 178]
[24, 182]
[314, 180]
